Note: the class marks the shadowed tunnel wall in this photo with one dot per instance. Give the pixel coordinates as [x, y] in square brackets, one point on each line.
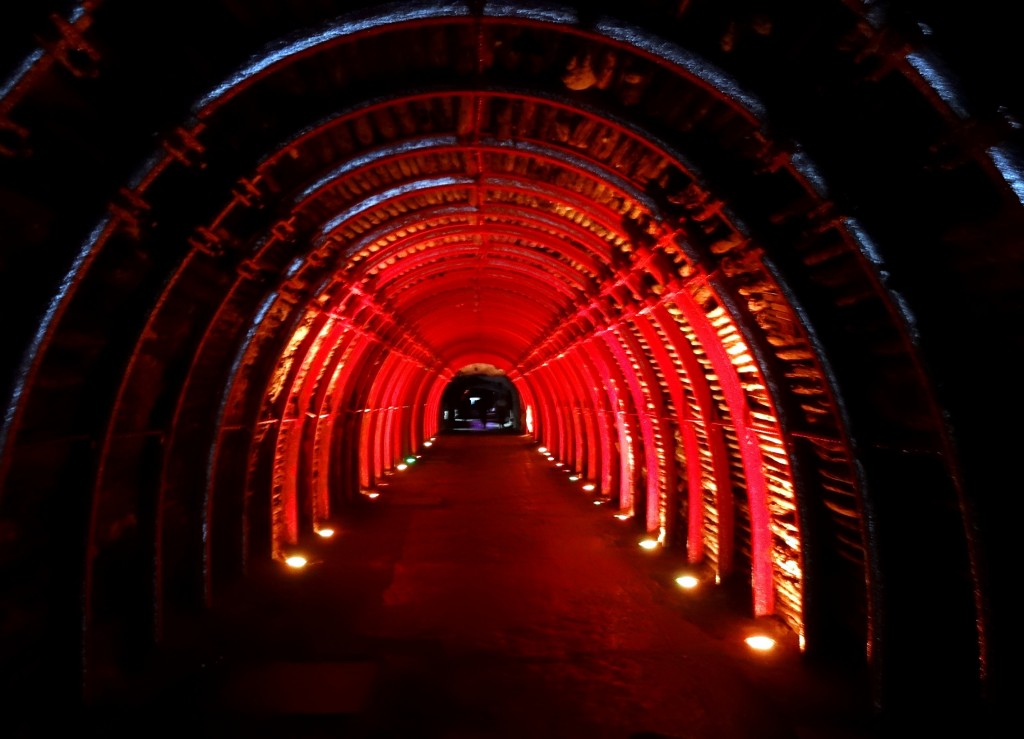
[751, 271]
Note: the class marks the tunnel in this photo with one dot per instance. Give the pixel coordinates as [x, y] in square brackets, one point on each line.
[750, 272]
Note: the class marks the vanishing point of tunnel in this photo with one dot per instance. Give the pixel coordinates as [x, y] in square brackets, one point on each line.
[381, 369]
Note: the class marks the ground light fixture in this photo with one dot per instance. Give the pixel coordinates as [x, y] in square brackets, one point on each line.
[589, 487]
[648, 544]
[760, 643]
[401, 467]
[428, 443]
[325, 533]
[687, 582]
[410, 460]
[296, 561]
[542, 449]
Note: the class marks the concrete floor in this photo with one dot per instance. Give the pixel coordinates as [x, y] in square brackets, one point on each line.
[483, 595]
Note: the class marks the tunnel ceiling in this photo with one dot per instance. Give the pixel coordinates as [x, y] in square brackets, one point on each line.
[811, 196]
[512, 171]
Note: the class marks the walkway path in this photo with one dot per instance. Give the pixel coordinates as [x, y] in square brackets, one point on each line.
[484, 596]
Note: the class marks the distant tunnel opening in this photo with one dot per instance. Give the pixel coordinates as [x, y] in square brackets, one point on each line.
[480, 398]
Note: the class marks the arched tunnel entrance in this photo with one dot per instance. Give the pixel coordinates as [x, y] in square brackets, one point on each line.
[748, 272]
[481, 398]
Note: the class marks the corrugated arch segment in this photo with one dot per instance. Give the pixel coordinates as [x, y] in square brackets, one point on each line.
[586, 457]
[659, 455]
[404, 441]
[552, 214]
[620, 415]
[550, 389]
[293, 454]
[490, 18]
[434, 384]
[644, 423]
[345, 413]
[367, 326]
[545, 418]
[578, 399]
[764, 593]
[761, 561]
[601, 469]
[422, 421]
[371, 398]
[687, 416]
[709, 521]
[398, 440]
[284, 414]
[270, 504]
[563, 409]
[330, 476]
[380, 400]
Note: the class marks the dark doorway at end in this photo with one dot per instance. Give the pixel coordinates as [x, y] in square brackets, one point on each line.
[481, 399]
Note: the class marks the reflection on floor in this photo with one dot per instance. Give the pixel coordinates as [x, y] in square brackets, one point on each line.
[475, 424]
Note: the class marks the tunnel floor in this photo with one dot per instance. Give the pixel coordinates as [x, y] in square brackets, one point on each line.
[484, 595]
